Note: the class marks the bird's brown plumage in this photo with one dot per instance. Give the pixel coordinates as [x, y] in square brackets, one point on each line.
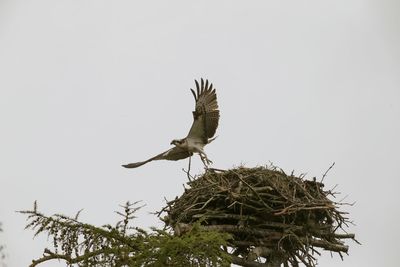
[175, 153]
[206, 113]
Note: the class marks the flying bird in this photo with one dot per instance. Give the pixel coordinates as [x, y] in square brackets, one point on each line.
[204, 126]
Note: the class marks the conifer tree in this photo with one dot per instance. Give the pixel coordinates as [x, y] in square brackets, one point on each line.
[123, 244]
[252, 217]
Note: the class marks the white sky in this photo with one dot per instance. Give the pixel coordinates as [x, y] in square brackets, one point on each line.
[86, 86]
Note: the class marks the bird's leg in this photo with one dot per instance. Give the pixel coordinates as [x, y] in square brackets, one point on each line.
[206, 161]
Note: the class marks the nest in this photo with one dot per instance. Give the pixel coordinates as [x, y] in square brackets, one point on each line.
[272, 218]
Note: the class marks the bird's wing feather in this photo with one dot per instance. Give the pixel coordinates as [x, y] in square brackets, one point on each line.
[206, 114]
[174, 153]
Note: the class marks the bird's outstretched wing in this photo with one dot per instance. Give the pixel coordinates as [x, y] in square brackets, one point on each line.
[206, 114]
[174, 153]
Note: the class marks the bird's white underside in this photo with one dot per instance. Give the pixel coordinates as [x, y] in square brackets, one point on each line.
[194, 145]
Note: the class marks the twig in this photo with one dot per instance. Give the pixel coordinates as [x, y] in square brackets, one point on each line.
[324, 175]
[190, 178]
[70, 260]
[254, 191]
[216, 170]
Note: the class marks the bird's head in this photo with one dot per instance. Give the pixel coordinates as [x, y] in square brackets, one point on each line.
[177, 142]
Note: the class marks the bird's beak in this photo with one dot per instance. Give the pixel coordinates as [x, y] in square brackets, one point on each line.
[172, 142]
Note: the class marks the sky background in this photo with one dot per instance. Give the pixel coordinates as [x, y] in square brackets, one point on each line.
[86, 86]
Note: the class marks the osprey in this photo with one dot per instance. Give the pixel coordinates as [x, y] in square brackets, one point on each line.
[205, 123]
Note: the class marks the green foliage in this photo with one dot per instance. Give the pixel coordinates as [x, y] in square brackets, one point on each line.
[81, 244]
[246, 216]
[197, 247]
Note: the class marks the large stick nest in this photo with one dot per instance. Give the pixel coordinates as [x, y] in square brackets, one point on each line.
[273, 217]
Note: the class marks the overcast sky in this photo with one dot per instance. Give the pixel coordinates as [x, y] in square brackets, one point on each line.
[86, 86]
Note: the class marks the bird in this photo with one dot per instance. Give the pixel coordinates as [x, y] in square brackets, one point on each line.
[205, 123]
